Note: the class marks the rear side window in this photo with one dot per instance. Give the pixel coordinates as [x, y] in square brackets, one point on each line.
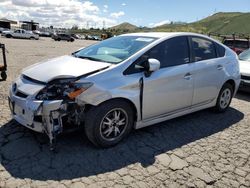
[220, 50]
[203, 49]
[172, 52]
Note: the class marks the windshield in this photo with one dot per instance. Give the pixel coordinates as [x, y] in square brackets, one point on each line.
[114, 50]
[245, 56]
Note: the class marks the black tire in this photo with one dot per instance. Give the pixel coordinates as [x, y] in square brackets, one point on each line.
[71, 40]
[220, 105]
[8, 36]
[32, 38]
[58, 39]
[3, 75]
[95, 125]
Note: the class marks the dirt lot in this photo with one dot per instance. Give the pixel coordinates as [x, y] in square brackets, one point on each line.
[203, 149]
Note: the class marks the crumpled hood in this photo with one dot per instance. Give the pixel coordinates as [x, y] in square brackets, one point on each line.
[63, 67]
[245, 67]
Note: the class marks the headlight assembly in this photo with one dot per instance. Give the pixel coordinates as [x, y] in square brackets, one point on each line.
[63, 89]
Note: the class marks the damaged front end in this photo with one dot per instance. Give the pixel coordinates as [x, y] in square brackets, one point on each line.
[52, 109]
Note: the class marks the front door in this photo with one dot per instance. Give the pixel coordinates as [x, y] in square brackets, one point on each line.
[169, 89]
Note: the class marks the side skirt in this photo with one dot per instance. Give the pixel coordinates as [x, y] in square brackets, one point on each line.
[161, 118]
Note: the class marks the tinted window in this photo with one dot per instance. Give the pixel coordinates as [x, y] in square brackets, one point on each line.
[220, 50]
[203, 49]
[172, 52]
[236, 43]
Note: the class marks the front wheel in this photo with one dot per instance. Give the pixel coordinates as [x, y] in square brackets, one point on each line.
[109, 123]
[225, 97]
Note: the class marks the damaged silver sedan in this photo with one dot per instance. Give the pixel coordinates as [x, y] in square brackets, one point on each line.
[129, 81]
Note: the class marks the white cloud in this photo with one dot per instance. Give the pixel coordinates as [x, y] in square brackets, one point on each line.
[117, 14]
[159, 23]
[105, 10]
[60, 13]
[124, 4]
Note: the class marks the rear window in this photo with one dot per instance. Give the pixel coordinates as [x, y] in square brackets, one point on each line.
[203, 49]
[220, 50]
[236, 44]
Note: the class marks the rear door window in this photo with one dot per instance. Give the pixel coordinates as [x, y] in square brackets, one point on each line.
[220, 50]
[203, 49]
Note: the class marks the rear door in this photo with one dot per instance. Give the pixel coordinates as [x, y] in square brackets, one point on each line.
[208, 70]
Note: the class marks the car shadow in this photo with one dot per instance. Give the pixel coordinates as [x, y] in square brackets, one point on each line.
[25, 154]
[243, 95]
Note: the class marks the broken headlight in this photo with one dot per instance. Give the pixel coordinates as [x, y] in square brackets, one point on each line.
[63, 89]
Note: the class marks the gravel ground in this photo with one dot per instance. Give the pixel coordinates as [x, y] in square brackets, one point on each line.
[203, 149]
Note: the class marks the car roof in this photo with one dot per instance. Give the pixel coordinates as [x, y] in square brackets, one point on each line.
[163, 34]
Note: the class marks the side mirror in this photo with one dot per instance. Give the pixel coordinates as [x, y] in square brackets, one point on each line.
[152, 66]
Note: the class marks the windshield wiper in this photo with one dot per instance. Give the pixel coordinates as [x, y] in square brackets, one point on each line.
[88, 57]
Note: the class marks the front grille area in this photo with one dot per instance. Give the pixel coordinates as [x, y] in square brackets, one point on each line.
[20, 94]
[245, 77]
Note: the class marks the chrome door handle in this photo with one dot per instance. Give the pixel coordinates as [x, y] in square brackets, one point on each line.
[219, 67]
[187, 76]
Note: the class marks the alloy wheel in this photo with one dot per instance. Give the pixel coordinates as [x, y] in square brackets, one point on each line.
[225, 98]
[114, 124]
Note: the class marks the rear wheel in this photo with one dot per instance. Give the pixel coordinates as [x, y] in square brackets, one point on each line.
[8, 36]
[224, 98]
[32, 38]
[109, 123]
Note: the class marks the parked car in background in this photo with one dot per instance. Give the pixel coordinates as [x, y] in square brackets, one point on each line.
[95, 37]
[3, 29]
[125, 82]
[20, 33]
[89, 37]
[63, 36]
[244, 58]
[45, 34]
[237, 44]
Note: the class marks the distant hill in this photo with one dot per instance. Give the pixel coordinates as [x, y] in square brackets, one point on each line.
[226, 23]
[124, 26]
[223, 23]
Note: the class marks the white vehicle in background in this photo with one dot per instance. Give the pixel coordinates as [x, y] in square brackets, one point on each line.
[244, 59]
[20, 33]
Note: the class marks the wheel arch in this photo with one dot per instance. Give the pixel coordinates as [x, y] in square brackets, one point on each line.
[232, 83]
[132, 105]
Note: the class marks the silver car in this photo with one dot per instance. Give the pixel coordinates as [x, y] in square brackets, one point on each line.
[244, 60]
[129, 81]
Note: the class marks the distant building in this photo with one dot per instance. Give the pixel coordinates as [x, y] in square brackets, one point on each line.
[6, 23]
[29, 25]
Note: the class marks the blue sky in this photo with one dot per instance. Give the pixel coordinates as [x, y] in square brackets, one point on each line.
[145, 12]
[96, 13]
